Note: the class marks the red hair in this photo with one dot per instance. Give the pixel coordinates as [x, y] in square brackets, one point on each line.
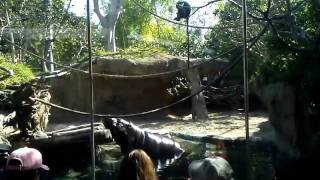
[137, 165]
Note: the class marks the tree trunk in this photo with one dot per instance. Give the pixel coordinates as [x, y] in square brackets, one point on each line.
[77, 135]
[25, 40]
[3, 27]
[108, 22]
[13, 50]
[48, 42]
[199, 109]
[109, 38]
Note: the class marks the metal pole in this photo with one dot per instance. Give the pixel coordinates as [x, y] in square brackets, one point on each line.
[245, 80]
[188, 41]
[91, 90]
[245, 68]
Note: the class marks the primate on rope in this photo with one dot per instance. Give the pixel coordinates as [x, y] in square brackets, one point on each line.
[184, 10]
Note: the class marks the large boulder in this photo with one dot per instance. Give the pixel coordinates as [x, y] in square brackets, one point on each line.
[118, 94]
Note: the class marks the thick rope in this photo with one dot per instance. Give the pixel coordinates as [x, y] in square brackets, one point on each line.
[167, 73]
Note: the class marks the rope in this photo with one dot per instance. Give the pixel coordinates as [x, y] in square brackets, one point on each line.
[217, 78]
[168, 20]
[167, 73]
[42, 59]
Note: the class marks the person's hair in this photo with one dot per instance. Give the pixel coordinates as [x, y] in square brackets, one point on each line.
[25, 175]
[18, 175]
[137, 165]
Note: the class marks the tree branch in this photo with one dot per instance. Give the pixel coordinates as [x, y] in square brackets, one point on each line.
[255, 39]
[97, 10]
[275, 31]
[1, 31]
[249, 14]
[292, 10]
[199, 7]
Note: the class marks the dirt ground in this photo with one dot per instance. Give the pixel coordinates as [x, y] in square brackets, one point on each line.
[221, 123]
[224, 124]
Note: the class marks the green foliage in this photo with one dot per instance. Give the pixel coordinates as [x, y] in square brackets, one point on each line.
[70, 45]
[30, 19]
[296, 57]
[138, 29]
[135, 54]
[22, 73]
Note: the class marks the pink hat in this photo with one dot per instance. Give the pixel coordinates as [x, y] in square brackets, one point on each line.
[25, 159]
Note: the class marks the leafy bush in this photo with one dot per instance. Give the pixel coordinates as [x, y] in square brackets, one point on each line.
[22, 73]
[132, 53]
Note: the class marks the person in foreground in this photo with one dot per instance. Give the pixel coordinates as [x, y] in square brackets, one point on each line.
[137, 165]
[24, 163]
[215, 168]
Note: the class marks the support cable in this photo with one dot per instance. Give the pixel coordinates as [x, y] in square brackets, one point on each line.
[91, 92]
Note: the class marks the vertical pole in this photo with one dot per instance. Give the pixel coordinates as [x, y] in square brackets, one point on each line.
[48, 38]
[91, 90]
[245, 80]
[245, 68]
[188, 41]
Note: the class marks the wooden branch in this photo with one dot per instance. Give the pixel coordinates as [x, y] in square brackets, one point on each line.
[294, 9]
[75, 135]
[53, 75]
[294, 49]
[198, 8]
[1, 31]
[249, 14]
[268, 7]
[97, 10]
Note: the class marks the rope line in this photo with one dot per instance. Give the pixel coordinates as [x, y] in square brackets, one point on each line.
[217, 78]
[168, 20]
[42, 59]
[167, 73]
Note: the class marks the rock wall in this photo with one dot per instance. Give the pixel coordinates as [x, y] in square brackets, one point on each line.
[114, 95]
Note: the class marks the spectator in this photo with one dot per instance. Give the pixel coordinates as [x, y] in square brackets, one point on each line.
[4, 149]
[215, 168]
[25, 163]
[137, 165]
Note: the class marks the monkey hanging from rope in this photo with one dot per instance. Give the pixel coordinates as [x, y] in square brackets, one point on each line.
[184, 10]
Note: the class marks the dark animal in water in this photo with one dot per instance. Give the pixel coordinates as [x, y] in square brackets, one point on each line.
[130, 136]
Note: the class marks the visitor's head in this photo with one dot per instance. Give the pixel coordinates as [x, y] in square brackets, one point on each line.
[215, 168]
[24, 163]
[137, 165]
[4, 153]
